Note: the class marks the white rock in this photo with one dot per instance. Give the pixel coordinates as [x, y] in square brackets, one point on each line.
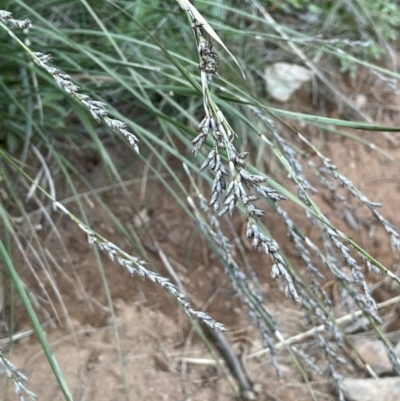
[284, 79]
[387, 389]
[397, 349]
[373, 353]
[141, 218]
[360, 101]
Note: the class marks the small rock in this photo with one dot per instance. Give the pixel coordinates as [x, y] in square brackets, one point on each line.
[360, 101]
[387, 389]
[141, 218]
[284, 79]
[373, 353]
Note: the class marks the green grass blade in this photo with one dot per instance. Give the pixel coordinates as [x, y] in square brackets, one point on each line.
[35, 323]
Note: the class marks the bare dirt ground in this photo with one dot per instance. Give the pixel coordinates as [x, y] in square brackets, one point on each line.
[155, 337]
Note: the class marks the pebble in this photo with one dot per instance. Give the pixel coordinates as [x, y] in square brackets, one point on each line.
[387, 389]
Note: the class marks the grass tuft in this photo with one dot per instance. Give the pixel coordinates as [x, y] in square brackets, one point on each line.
[212, 138]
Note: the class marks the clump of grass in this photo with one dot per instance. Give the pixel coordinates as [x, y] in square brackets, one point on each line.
[134, 265]
[98, 110]
[229, 114]
[225, 197]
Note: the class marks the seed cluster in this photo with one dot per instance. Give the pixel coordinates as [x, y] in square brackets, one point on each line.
[17, 377]
[7, 18]
[135, 265]
[349, 287]
[247, 288]
[208, 64]
[97, 109]
[229, 189]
